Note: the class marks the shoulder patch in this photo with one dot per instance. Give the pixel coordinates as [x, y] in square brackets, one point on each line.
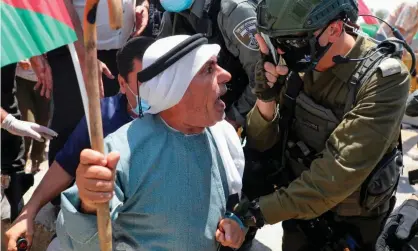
[245, 33]
[389, 67]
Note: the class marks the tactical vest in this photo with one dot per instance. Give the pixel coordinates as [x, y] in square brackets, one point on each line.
[208, 25]
[310, 125]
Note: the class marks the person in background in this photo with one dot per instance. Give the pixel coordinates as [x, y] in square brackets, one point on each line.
[34, 108]
[116, 111]
[330, 167]
[404, 18]
[155, 16]
[14, 181]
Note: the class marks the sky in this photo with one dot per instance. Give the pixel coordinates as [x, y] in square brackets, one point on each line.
[385, 4]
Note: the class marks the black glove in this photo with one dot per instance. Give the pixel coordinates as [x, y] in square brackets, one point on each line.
[400, 228]
[249, 212]
[260, 87]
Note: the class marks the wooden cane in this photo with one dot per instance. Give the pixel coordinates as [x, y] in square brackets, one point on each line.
[92, 87]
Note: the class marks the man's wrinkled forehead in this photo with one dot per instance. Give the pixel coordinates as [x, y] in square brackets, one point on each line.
[211, 62]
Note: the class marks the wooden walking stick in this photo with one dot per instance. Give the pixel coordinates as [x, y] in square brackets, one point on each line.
[92, 80]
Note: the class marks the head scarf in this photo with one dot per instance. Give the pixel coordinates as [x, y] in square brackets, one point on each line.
[167, 88]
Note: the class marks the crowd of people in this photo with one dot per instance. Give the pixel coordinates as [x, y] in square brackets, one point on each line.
[318, 107]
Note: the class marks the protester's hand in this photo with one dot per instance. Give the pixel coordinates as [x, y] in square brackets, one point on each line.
[102, 69]
[400, 228]
[229, 233]
[95, 178]
[25, 64]
[27, 129]
[43, 72]
[23, 226]
[141, 19]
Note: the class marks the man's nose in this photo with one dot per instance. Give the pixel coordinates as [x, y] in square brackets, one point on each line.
[223, 76]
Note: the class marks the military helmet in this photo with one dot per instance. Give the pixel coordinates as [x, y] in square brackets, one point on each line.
[290, 17]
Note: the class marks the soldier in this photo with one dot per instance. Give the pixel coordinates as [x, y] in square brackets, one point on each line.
[335, 127]
[232, 25]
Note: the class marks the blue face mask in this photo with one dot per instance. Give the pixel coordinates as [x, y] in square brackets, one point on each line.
[144, 104]
[176, 5]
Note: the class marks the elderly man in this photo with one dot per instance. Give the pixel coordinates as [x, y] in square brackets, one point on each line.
[176, 167]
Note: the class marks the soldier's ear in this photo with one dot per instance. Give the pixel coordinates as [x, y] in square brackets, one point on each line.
[335, 30]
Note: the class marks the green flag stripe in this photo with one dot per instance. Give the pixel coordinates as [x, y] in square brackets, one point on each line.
[25, 33]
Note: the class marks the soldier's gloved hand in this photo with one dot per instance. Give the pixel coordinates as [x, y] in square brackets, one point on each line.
[27, 129]
[400, 228]
[249, 212]
[267, 82]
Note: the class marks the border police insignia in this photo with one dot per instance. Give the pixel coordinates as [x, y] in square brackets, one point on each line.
[245, 33]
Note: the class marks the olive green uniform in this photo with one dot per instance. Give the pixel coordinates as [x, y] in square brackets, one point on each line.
[350, 153]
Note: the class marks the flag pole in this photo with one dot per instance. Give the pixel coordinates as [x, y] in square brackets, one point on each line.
[80, 80]
[92, 90]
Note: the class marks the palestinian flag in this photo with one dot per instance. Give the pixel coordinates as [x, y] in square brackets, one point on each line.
[363, 9]
[33, 27]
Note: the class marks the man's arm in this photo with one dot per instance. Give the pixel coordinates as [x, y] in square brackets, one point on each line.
[262, 127]
[352, 151]
[49, 188]
[141, 16]
[64, 167]
[237, 22]
[24, 128]
[52, 184]
[144, 3]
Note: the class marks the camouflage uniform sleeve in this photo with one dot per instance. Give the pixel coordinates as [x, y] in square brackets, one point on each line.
[237, 23]
[365, 134]
[261, 134]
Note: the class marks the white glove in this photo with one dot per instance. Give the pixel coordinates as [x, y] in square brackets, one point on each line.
[27, 129]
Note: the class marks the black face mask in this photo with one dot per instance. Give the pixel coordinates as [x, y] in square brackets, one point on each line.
[302, 53]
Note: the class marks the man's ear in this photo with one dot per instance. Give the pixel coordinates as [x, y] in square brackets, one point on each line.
[122, 84]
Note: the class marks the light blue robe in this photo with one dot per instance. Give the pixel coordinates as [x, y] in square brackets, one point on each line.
[171, 191]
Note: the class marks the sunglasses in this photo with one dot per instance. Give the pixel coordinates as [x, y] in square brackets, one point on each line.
[293, 41]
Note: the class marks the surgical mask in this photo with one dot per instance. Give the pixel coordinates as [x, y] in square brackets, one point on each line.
[144, 104]
[176, 5]
[302, 53]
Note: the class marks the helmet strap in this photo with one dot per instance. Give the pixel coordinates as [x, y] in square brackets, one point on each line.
[317, 51]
